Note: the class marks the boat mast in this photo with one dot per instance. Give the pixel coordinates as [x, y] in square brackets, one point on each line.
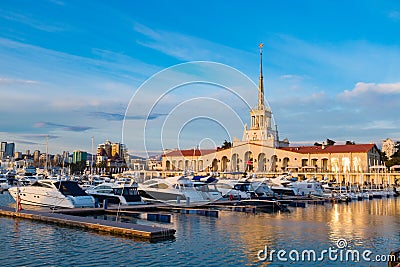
[47, 154]
[91, 163]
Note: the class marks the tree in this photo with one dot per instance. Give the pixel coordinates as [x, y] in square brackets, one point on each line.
[393, 161]
[350, 143]
[317, 144]
[102, 164]
[78, 167]
[226, 145]
[384, 157]
[330, 142]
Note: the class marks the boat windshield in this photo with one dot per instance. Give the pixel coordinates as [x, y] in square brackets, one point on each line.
[243, 187]
[126, 191]
[70, 188]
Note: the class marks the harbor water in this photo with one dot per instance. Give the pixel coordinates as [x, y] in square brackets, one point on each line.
[232, 239]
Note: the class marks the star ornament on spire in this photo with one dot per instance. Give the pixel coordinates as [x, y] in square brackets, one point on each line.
[261, 46]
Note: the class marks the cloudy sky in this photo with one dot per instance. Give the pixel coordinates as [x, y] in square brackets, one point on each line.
[71, 70]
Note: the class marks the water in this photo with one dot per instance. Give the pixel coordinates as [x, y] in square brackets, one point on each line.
[233, 239]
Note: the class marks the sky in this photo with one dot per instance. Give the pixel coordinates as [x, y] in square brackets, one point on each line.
[167, 74]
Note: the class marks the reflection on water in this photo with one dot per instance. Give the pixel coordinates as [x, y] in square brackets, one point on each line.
[232, 239]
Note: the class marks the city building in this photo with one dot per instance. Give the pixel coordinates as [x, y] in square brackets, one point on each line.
[7, 150]
[18, 155]
[111, 156]
[78, 156]
[36, 155]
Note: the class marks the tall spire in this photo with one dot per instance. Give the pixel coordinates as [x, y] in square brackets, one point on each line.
[261, 83]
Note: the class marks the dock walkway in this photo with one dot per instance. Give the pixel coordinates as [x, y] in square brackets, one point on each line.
[103, 226]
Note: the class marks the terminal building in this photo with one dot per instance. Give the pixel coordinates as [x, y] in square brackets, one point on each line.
[260, 151]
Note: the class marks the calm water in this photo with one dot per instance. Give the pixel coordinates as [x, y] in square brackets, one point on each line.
[233, 239]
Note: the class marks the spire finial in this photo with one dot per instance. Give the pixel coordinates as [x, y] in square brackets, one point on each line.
[260, 82]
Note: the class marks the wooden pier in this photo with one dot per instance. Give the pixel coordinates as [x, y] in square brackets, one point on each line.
[137, 231]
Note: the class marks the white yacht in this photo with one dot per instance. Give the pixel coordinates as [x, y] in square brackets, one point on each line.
[4, 185]
[54, 194]
[116, 193]
[171, 189]
[284, 185]
[237, 189]
[261, 187]
[209, 190]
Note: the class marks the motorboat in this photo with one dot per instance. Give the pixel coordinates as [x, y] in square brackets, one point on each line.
[236, 189]
[171, 189]
[307, 187]
[116, 193]
[4, 185]
[54, 194]
[209, 190]
[207, 186]
[27, 179]
[262, 188]
[284, 185]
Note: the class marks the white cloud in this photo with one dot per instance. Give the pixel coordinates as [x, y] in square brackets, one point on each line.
[8, 81]
[394, 15]
[189, 48]
[17, 17]
[293, 77]
[380, 124]
[362, 89]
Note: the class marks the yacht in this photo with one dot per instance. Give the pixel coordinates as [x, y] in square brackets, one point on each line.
[116, 193]
[54, 194]
[285, 186]
[4, 185]
[236, 189]
[262, 187]
[209, 190]
[171, 189]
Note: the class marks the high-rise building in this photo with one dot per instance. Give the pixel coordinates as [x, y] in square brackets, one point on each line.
[10, 150]
[79, 156]
[3, 149]
[65, 156]
[36, 155]
[115, 149]
[105, 149]
[114, 152]
[7, 149]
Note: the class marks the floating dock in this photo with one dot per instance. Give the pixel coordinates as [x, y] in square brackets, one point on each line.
[138, 231]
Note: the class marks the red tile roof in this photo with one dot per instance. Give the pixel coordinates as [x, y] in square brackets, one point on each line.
[189, 152]
[330, 149]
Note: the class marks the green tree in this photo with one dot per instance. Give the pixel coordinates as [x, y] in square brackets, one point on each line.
[226, 145]
[330, 142]
[78, 167]
[393, 161]
[350, 143]
[102, 164]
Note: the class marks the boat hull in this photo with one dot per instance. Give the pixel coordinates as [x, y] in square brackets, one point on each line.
[50, 198]
[161, 196]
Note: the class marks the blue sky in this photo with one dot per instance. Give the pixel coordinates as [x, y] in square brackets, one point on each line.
[69, 69]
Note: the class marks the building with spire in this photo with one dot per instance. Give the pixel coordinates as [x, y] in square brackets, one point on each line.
[261, 151]
[253, 153]
[261, 130]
